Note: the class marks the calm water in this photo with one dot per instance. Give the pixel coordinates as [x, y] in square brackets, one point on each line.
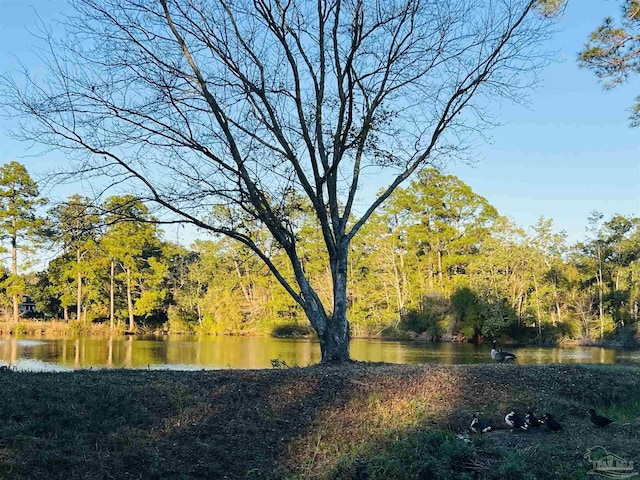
[194, 353]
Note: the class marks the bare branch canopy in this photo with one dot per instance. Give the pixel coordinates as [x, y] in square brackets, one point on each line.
[227, 113]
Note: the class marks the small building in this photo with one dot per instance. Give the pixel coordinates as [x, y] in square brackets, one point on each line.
[27, 306]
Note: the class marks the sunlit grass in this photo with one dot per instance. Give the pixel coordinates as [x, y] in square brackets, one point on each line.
[326, 423]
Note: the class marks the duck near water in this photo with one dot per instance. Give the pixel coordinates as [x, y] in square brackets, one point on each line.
[500, 356]
[597, 420]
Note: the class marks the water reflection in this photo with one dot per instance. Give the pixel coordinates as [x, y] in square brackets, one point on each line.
[191, 353]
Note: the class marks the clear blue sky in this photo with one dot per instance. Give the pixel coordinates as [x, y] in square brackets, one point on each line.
[568, 152]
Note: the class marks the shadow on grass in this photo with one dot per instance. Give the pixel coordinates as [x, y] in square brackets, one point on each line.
[360, 421]
[141, 424]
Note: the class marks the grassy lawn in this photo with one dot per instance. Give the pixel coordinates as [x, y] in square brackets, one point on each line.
[356, 421]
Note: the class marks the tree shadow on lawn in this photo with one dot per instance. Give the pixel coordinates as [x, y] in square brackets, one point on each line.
[141, 424]
[350, 421]
[295, 423]
[216, 424]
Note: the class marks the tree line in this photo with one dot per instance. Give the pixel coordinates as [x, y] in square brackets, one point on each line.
[438, 261]
[180, 105]
[255, 119]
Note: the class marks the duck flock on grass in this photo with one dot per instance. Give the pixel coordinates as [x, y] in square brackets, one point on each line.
[515, 422]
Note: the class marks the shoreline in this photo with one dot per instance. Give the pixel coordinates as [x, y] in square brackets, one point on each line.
[35, 328]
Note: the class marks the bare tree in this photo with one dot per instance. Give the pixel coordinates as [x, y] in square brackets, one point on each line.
[226, 112]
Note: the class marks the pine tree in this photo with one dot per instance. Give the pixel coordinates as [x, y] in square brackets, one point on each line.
[19, 224]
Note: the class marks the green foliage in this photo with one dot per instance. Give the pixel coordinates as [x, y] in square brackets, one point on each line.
[431, 319]
[292, 330]
[488, 317]
[626, 336]
[14, 285]
[408, 454]
[497, 317]
[180, 321]
[77, 328]
[436, 262]
[571, 327]
[19, 197]
[20, 227]
[467, 310]
[133, 242]
[550, 8]
[20, 329]
[222, 311]
[612, 51]
[420, 322]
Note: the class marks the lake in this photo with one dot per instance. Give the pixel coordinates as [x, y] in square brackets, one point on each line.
[181, 352]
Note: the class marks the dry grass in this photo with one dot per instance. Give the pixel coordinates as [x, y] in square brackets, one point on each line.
[360, 420]
[52, 328]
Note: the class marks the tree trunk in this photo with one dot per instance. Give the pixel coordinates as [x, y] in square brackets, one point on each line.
[440, 274]
[600, 294]
[538, 312]
[430, 273]
[334, 338]
[520, 305]
[334, 344]
[112, 308]
[556, 299]
[245, 290]
[79, 293]
[132, 325]
[14, 271]
[398, 284]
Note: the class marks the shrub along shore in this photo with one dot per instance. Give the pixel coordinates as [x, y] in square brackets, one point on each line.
[349, 421]
[627, 338]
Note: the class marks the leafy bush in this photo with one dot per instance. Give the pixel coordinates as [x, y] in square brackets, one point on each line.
[432, 317]
[396, 333]
[466, 308]
[421, 322]
[21, 329]
[497, 317]
[77, 328]
[181, 321]
[291, 330]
